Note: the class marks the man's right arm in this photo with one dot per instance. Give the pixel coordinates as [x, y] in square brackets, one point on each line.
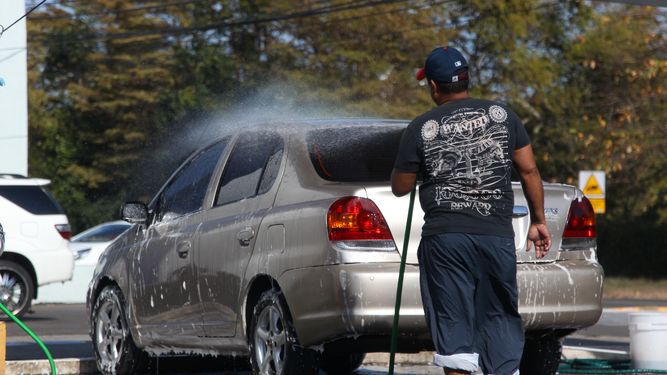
[531, 182]
[407, 164]
[402, 182]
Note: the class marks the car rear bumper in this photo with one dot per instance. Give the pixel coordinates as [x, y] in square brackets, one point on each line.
[352, 300]
[357, 301]
[560, 295]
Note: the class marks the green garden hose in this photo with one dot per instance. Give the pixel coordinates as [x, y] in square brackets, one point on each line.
[399, 288]
[601, 366]
[32, 335]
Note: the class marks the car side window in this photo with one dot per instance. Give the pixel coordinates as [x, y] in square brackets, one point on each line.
[186, 190]
[252, 167]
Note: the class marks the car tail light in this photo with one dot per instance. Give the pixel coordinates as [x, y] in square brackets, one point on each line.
[354, 222]
[580, 228]
[64, 230]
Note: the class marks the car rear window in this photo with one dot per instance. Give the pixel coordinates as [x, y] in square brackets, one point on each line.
[34, 199]
[354, 154]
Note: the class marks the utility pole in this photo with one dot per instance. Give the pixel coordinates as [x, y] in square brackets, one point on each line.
[13, 89]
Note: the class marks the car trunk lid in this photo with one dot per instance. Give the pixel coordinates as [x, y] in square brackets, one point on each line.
[557, 199]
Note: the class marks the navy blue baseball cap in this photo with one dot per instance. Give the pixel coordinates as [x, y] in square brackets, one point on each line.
[445, 65]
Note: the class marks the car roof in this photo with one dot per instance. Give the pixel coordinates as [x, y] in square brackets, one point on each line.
[300, 126]
[9, 179]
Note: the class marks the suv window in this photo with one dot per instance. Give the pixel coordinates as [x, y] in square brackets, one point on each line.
[34, 199]
[186, 190]
[252, 167]
[349, 154]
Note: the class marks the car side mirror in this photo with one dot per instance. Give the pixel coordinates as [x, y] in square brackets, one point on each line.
[135, 213]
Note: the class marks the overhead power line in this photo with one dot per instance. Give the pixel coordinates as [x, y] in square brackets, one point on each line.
[352, 5]
[107, 12]
[3, 29]
[12, 55]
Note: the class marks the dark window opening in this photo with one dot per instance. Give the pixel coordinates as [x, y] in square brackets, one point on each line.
[252, 167]
[354, 154]
[34, 199]
[186, 191]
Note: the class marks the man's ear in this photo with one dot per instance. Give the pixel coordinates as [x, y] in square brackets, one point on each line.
[434, 86]
[435, 92]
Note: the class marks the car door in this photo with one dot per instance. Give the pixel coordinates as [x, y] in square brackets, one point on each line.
[227, 236]
[164, 285]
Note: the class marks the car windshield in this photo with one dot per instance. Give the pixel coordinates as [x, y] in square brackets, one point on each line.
[101, 234]
[354, 154]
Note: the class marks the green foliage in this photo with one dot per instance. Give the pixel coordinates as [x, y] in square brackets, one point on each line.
[113, 81]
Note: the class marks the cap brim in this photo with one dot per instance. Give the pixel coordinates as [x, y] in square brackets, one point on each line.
[421, 74]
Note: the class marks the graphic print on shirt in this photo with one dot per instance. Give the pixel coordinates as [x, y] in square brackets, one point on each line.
[466, 156]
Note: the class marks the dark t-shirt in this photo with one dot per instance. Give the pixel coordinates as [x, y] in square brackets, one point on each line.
[462, 151]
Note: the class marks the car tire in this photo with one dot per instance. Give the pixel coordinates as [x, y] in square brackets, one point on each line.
[16, 289]
[274, 347]
[115, 350]
[341, 363]
[541, 355]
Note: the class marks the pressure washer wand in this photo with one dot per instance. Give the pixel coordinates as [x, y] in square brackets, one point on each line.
[399, 288]
[33, 335]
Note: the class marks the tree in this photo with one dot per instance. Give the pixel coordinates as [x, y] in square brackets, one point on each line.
[119, 88]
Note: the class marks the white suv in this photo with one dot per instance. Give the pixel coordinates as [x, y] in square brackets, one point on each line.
[36, 248]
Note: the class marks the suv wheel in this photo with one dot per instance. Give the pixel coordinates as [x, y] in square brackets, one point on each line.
[274, 348]
[541, 355]
[115, 351]
[16, 288]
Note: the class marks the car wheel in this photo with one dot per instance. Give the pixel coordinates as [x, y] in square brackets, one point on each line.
[16, 288]
[274, 348]
[541, 355]
[115, 351]
[342, 363]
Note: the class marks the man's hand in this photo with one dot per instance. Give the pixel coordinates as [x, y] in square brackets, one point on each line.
[539, 235]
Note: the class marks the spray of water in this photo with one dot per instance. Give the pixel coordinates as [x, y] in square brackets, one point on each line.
[276, 104]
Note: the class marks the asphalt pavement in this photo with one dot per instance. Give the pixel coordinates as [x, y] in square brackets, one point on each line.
[64, 329]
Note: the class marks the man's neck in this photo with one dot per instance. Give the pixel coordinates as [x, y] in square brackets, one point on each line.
[453, 97]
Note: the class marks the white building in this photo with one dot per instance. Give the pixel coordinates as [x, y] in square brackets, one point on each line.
[14, 92]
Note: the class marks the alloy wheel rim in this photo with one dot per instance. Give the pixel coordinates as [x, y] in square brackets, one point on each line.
[270, 342]
[109, 333]
[11, 291]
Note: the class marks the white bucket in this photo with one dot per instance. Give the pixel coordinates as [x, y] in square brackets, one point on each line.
[648, 340]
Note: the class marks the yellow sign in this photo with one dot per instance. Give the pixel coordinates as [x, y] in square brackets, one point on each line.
[592, 187]
[592, 184]
[598, 204]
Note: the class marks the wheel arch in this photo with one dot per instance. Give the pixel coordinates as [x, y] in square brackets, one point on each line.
[26, 264]
[259, 285]
[102, 283]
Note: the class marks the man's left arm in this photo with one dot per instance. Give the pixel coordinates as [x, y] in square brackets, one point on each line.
[531, 182]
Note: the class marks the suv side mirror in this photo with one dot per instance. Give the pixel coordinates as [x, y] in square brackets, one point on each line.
[135, 213]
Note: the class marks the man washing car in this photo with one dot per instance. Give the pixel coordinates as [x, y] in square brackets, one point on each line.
[463, 152]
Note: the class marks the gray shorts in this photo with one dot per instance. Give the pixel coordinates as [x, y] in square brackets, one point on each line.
[469, 291]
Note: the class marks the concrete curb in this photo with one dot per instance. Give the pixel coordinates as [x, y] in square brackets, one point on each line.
[426, 358]
[421, 358]
[65, 366]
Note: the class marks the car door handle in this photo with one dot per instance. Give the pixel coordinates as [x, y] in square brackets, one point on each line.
[245, 235]
[183, 249]
[519, 211]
